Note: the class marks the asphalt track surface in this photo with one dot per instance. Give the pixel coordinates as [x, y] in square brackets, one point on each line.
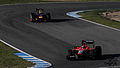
[50, 41]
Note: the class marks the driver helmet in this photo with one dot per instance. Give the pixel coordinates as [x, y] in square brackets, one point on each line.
[83, 47]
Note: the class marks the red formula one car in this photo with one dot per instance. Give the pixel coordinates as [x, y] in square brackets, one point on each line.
[87, 50]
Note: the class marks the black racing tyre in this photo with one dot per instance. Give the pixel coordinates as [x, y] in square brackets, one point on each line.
[92, 55]
[70, 52]
[98, 51]
[48, 15]
[68, 57]
[32, 17]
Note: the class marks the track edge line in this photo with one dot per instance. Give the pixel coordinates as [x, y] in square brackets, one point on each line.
[75, 15]
[24, 53]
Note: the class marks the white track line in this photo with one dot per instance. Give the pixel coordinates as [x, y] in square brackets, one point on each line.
[25, 53]
[75, 15]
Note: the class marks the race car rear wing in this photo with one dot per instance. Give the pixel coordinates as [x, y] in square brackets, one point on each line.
[87, 41]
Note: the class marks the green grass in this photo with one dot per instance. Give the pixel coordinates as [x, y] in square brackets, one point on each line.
[9, 60]
[94, 16]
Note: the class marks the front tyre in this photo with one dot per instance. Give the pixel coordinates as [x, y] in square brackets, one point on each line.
[32, 17]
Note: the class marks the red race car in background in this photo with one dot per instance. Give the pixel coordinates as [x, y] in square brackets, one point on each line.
[87, 50]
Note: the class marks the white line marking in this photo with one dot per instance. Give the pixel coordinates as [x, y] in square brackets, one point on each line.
[30, 58]
[27, 56]
[34, 60]
[25, 53]
[73, 14]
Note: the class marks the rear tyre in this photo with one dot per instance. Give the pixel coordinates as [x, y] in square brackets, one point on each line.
[48, 16]
[98, 51]
[92, 55]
